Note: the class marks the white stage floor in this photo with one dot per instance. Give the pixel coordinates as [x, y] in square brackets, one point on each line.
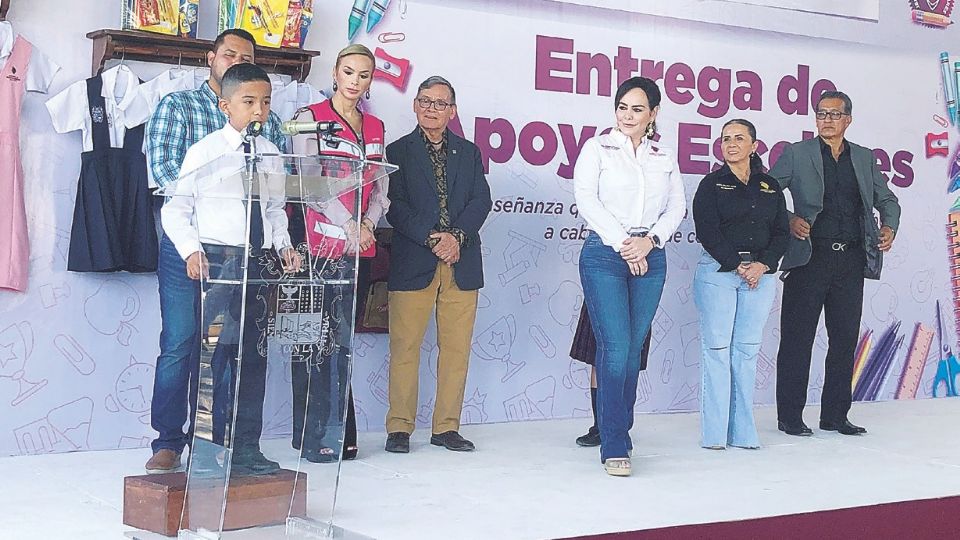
[529, 480]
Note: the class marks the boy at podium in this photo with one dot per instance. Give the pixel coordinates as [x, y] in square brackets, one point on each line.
[207, 221]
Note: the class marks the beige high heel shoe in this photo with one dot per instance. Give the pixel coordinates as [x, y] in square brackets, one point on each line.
[618, 466]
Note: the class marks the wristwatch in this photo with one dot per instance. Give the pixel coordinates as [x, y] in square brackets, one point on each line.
[656, 241]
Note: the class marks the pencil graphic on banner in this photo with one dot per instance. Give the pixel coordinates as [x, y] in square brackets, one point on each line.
[357, 13]
[956, 81]
[884, 373]
[949, 87]
[954, 176]
[377, 10]
[872, 375]
[933, 19]
[915, 362]
[869, 366]
[860, 357]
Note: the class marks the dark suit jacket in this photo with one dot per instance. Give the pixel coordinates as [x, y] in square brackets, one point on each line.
[415, 211]
[800, 171]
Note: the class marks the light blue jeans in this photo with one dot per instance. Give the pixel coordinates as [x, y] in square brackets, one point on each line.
[732, 318]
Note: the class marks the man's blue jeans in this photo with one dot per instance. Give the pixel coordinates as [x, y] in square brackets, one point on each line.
[732, 317]
[178, 365]
[621, 308]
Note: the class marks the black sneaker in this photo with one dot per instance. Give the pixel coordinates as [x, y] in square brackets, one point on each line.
[253, 463]
[451, 440]
[591, 438]
[398, 442]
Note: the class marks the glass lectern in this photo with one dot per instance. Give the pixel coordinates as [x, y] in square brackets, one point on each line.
[255, 301]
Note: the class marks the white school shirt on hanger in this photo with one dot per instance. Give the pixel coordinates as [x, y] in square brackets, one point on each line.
[168, 82]
[41, 69]
[308, 95]
[125, 107]
[283, 96]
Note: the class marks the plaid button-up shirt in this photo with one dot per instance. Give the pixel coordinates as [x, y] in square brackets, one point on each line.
[182, 119]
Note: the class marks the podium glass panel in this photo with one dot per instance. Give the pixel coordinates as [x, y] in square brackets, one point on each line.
[275, 323]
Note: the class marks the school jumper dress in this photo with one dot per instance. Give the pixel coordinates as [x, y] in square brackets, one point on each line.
[113, 225]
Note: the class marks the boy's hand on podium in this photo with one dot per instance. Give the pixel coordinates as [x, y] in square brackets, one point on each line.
[197, 266]
[291, 260]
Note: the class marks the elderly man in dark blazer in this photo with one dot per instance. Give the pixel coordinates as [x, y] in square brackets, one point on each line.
[439, 199]
[836, 243]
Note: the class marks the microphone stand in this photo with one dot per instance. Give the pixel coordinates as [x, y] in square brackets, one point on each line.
[329, 136]
[251, 158]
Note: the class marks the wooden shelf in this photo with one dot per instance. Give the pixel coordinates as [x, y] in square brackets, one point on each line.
[175, 50]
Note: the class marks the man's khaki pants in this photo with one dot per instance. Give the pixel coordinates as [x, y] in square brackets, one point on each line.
[409, 314]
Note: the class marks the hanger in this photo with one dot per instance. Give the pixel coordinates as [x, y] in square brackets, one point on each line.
[179, 67]
[122, 66]
[4, 7]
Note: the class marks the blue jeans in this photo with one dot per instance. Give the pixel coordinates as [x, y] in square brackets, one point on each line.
[174, 385]
[732, 317]
[621, 308]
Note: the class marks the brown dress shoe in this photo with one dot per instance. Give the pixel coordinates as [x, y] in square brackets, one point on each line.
[163, 461]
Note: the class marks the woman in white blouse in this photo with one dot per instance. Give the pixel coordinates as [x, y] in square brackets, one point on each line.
[630, 192]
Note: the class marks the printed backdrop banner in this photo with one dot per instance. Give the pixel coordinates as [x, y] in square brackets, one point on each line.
[534, 80]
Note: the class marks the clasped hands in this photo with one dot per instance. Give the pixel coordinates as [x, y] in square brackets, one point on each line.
[751, 272]
[361, 237]
[634, 251]
[447, 249]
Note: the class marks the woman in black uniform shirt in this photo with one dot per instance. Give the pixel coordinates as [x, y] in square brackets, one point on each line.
[741, 220]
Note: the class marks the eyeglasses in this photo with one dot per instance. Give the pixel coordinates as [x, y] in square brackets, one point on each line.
[833, 115]
[438, 104]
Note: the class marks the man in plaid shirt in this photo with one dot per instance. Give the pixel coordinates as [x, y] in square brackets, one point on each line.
[182, 119]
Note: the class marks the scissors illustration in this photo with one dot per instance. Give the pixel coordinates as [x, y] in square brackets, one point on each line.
[947, 368]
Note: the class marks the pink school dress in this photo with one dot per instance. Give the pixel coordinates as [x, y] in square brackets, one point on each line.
[14, 241]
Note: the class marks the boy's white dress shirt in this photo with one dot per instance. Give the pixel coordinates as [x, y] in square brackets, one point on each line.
[209, 207]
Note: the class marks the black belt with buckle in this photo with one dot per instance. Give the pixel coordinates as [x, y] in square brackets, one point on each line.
[835, 245]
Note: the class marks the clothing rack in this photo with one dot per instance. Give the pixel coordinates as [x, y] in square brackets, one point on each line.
[180, 51]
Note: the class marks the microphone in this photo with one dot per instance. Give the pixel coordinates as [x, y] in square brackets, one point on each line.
[296, 128]
[253, 130]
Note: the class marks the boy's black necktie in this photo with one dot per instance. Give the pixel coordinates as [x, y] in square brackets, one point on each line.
[256, 237]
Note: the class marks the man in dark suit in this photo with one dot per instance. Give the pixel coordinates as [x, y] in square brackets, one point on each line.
[835, 244]
[439, 198]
